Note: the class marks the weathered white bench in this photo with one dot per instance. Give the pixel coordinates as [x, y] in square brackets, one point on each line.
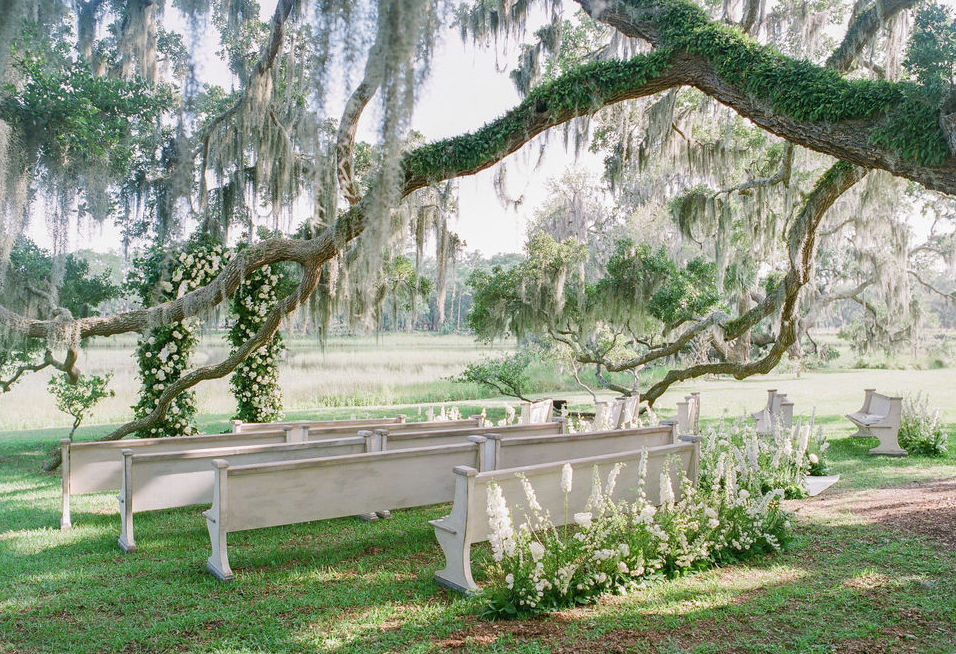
[393, 439]
[536, 412]
[312, 431]
[616, 414]
[688, 414]
[777, 414]
[272, 494]
[95, 466]
[468, 521]
[151, 482]
[238, 426]
[880, 417]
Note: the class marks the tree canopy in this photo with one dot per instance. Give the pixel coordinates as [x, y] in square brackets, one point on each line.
[744, 121]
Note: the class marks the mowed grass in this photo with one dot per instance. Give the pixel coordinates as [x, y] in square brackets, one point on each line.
[351, 586]
[844, 585]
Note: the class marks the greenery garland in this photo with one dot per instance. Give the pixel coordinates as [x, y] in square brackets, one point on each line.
[255, 383]
[164, 354]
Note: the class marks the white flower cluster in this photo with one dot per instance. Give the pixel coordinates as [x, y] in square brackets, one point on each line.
[443, 415]
[255, 383]
[164, 355]
[618, 545]
[782, 460]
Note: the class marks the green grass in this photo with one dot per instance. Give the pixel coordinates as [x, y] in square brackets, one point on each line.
[350, 586]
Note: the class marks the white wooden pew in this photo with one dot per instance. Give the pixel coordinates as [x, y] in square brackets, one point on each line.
[777, 413]
[162, 481]
[151, 482]
[536, 412]
[468, 521]
[688, 415]
[95, 466]
[880, 416]
[238, 426]
[616, 414]
[394, 439]
[272, 494]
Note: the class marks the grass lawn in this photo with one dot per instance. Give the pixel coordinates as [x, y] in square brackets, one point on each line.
[852, 581]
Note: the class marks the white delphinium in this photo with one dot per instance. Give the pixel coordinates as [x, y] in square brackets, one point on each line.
[567, 478]
[537, 550]
[583, 519]
[612, 479]
[502, 535]
[667, 490]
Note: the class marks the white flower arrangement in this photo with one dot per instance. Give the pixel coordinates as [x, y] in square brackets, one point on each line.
[620, 545]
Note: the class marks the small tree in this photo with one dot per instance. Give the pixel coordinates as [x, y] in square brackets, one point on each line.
[78, 399]
[508, 375]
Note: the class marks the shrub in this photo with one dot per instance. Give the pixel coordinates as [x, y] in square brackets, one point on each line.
[507, 375]
[614, 547]
[780, 461]
[77, 398]
[921, 431]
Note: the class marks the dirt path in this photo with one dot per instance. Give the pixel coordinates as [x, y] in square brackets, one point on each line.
[921, 508]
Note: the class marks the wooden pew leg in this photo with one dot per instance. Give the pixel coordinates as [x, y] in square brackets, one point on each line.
[218, 563]
[65, 521]
[457, 571]
[889, 443]
[126, 540]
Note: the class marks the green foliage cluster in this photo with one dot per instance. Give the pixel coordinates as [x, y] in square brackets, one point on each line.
[640, 287]
[78, 398]
[931, 56]
[255, 383]
[640, 274]
[507, 375]
[164, 354]
[533, 293]
[79, 290]
[76, 117]
[28, 281]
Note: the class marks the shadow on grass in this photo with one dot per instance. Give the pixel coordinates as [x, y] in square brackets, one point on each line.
[347, 586]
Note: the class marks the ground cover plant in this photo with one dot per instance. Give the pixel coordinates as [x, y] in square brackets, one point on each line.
[857, 576]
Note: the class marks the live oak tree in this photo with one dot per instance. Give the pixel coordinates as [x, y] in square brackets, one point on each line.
[140, 138]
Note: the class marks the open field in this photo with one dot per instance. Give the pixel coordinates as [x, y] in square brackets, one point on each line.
[412, 369]
[870, 569]
[856, 579]
[391, 369]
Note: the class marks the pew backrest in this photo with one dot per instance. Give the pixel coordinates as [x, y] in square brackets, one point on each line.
[505, 452]
[239, 426]
[536, 412]
[688, 414]
[395, 439]
[468, 521]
